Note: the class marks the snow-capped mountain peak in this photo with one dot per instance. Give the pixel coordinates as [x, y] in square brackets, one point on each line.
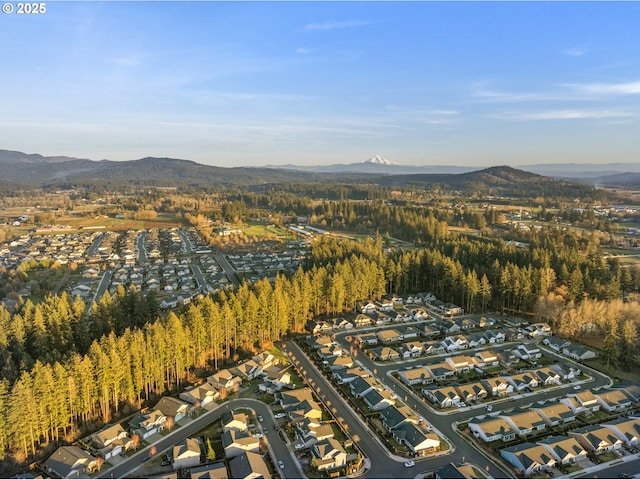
[378, 160]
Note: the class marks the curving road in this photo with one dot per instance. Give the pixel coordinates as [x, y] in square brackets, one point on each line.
[278, 449]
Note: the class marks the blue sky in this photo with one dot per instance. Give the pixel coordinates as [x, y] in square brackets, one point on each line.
[257, 83]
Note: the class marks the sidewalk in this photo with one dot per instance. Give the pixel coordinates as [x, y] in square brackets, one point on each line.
[602, 466]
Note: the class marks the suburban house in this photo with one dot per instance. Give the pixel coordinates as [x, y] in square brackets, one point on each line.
[225, 379]
[614, 399]
[384, 354]
[491, 429]
[471, 392]
[393, 416]
[236, 443]
[528, 351]
[444, 397]
[70, 462]
[461, 363]
[554, 413]
[200, 394]
[415, 376]
[366, 307]
[487, 358]
[146, 424]
[626, 429]
[318, 327]
[441, 371]
[385, 305]
[310, 431]
[494, 336]
[476, 340]
[408, 332]
[329, 454]
[362, 320]
[528, 458]
[111, 441]
[290, 398]
[555, 343]
[361, 386]
[564, 449]
[234, 421]
[247, 370]
[248, 466]
[186, 454]
[276, 378]
[411, 349]
[367, 339]
[538, 330]
[450, 309]
[596, 439]
[451, 470]
[582, 402]
[378, 399]
[522, 381]
[456, 342]
[417, 437]
[172, 407]
[216, 471]
[432, 347]
[341, 324]
[304, 409]
[427, 330]
[389, 335]
[339, 362]
[524, 421]
[319, 341]
[350, 374]
[548, 376]
[578, 352]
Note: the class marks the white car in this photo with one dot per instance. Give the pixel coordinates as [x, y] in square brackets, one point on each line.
[576, 387]
[280, 464]
[409, 464]
[299, 446]
[258, 435]
[489, 408]
[280, 415]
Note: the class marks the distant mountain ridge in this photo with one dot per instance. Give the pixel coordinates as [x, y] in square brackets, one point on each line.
[33, 169]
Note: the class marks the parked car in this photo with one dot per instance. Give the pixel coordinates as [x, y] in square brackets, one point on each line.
[280, 415]
[280, 464]
[623, 475]
[258, 435]
[576, 387]
[409, 464]
[299, 446]
[489, 408]
[260, 419]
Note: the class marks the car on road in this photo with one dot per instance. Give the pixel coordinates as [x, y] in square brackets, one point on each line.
[280, 464]
[299, 446]
[147, 458]
[260, 419]
[409, 464]
[623, 475]
[258, 435]
[576, 387]
[265, 430]
[489, 408]
[280, 415]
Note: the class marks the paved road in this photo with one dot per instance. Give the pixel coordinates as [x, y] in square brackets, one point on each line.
[93, 249]
[102, 287]
[277, 448]
[631, 467]
[200, 280]
[141, 249]
[228, 269]
[186, 242]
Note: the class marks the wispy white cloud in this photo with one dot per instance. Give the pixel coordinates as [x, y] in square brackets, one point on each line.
[575, 51]
[302, 51]
[336, 25]
[564, 115]
[629, 88]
